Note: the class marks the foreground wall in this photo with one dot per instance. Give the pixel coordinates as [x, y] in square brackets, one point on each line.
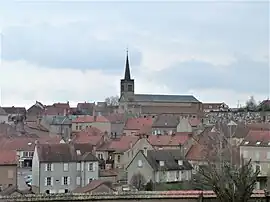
[169, 196]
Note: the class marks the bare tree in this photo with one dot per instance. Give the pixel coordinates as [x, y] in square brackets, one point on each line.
[230, 183]
[251, 104]
[138, 181]
[112, 100]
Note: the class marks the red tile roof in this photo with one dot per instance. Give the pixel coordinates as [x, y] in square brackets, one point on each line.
[120, 145]
[25, 143]
[194, 122]
[167, 140]
[90, 135]
[90, 119]
[138, 123]
[8, 157]
[255, 136]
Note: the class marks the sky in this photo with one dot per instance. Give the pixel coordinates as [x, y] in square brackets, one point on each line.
[59, 51]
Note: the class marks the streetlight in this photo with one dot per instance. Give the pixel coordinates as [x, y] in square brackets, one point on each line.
[230, 125]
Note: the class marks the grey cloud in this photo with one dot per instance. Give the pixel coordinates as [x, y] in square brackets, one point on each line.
[70, 46]
[244, 76]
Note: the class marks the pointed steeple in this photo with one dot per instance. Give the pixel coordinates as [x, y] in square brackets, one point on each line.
[127, 70]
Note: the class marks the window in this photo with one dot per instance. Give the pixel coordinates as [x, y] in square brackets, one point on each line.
[9, 185]
[49, 167]
[65, 166]
[130, 87]
[257, 168]
[66, 190]
[90, 180]
[258, 143]
[180, 162]
[77, 128]
[47, 191]
[78, 166]
[257, 156]
[268, 155]
[90, 167]
[118, 158]
[48, 181]
[245, 154]
[140, 163]
[246, 142]
[78, 181]
[161, 163]
[100, 156]
[65, 181]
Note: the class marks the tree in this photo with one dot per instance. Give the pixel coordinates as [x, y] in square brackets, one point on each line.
[230, 183]
[138, 181]
[251, 104]
[149, 186]
[112, 100]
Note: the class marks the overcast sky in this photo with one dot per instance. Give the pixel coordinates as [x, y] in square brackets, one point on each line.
[54, 52]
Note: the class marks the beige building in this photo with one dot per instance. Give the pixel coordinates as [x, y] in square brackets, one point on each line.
[256, 146]
[8, 169]
[150, 104]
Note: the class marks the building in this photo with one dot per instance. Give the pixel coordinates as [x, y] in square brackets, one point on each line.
[160, 166]
[8, 169]
[150, 104]
[256, 146]
[14, 112]
[61, 168]
[3, 116]
[34, 112]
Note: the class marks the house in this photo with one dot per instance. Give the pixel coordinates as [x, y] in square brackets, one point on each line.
[61, 168]
[103, 109]
[151, 104]
[14, 112]
[8, 169]
[34, 112]
[170, 141]
[24, 147]
[135, 126]
[256, 146]
[165, 124]
[184, 125]
[90, 135]
[60, 109]
[3, 116]
[85, 108]
[96, 186]
[112, 124]
[215, 107]
[120, 151]
[160, 166]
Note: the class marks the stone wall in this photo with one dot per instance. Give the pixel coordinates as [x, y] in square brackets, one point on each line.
[173, 196]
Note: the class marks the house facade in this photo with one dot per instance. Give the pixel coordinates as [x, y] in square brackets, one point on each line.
[3, 116]
[62, 173]
[165, 125]
[8, 169]
[160, 166]
[256, 146]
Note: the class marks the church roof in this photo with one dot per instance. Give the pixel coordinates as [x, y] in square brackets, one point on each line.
[164, 98]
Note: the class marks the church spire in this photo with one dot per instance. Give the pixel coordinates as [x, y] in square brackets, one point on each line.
[127, 70]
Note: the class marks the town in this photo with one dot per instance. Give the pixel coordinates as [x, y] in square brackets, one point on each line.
[134, 142]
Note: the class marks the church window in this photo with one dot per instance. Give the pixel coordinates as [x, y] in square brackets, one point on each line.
[130, 87]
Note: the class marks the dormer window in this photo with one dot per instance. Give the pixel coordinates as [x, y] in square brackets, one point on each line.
[78, 152]
[161, 163]
[246, 142]
[258, 143]
[180, 162]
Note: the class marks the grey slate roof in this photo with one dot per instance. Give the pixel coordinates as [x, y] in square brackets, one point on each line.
[65, 152]
[2, 111]
[170, 158]
[15, 110]
[164, 98]
[166, 121]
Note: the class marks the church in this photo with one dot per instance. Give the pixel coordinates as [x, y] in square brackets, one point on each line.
[153, 104]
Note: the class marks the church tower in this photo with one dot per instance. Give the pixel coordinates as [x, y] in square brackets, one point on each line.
[127, 84]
